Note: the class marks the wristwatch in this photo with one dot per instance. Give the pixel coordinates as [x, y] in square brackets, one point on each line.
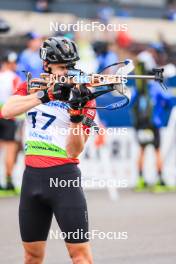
[43, 96]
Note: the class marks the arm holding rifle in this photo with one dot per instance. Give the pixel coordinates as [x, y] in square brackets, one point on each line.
[76, 142]
[18, 104]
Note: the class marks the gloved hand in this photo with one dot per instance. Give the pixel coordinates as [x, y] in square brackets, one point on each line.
[80, 96]
[79, 99]
[60, 91]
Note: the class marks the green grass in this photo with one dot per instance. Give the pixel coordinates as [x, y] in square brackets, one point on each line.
[9, 193]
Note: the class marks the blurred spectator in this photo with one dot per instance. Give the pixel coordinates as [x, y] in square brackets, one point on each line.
[124, 11]
[171, 12]
[9, 83]
[42, 6]
[87, 62]
[123, 39]
[105, 56]
[29, 59]
[148, 57]
[105, 13]
[154, 55]
[149, 103]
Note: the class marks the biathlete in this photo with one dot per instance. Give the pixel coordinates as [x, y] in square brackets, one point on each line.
[51, 154]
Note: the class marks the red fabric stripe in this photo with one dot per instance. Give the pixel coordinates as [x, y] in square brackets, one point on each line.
[45, 162]
[16, 84]
[21, 90]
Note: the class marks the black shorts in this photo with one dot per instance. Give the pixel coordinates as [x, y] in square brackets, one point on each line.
[43, 194]
[7, 130]
[155, 139]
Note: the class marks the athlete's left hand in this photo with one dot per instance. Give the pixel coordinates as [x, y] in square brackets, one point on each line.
[60, 91]
[80, 95]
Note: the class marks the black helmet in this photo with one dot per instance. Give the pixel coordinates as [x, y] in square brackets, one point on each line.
[59, 50]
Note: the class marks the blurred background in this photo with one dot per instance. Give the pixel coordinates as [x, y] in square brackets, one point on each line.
[132, 181]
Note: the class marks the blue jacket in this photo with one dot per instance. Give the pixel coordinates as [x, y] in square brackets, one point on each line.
[29, 61]
[160, 100]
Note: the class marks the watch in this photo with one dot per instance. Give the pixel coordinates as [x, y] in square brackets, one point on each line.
[43, 96]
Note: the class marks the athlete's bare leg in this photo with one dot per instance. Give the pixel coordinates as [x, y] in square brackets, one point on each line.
[159, 165]
[141, 183]
[159, 162]
[34, 252]
[80, 253]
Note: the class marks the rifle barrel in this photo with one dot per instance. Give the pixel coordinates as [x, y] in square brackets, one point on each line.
[149, 77]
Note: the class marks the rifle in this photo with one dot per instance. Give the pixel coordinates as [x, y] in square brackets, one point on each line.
[115, 82]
